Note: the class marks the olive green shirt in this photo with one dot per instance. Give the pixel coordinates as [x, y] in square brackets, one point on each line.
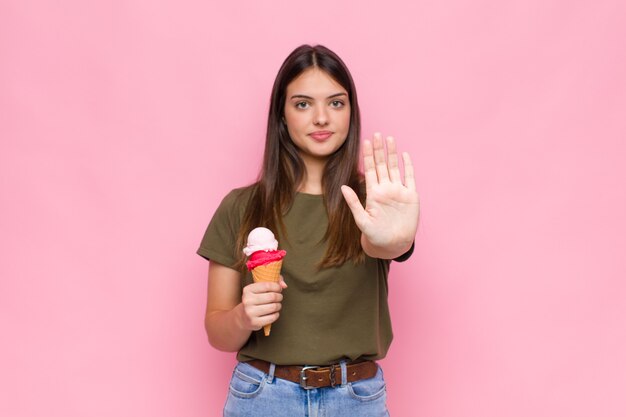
[328, 314]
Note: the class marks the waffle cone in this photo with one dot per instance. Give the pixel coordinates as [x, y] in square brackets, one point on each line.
[267, 273]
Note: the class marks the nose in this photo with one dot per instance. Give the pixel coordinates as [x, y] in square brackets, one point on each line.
[321, 116]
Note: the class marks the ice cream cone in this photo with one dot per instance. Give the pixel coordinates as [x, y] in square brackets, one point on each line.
[267, 273]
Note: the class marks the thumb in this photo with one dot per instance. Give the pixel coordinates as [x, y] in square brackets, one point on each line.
[282, 283]
[359, 213]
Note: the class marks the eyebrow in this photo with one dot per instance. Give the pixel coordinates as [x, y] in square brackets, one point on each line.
[311, 98]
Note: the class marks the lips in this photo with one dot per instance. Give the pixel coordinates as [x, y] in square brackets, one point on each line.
[321, 135]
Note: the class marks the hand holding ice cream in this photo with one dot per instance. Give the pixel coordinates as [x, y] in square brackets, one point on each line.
[264, 259]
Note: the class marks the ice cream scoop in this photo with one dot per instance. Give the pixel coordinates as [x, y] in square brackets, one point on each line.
[260, 238]
[261, 257]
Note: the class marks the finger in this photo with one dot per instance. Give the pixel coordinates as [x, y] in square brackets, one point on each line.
[264, 287]
[369, 167]
[409, 175]
[269, 319]
[282, 283]
[257, 322]
[266, 309]
[379, 158]
[392, 157]
[359, 213]
[255, 300]
[267, 298]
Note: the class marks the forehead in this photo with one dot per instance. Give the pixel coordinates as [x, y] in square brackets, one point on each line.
[314, 81]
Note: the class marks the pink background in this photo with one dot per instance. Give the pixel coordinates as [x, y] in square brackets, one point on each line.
[123, 123]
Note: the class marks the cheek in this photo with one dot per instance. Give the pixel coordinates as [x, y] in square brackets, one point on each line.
[293, 120]
[345, 121]
[294, 128]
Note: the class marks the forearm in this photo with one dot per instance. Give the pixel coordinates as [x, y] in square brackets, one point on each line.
[225, 329]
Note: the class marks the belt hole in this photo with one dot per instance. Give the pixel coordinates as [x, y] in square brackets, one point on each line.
[353, 373]
[319, 379]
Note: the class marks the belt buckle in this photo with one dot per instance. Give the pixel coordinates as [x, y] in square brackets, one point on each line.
[303, 377]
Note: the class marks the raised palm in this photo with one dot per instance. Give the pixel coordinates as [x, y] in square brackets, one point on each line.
[389, 220]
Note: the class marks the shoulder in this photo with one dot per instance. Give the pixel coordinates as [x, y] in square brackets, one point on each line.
[233, 206]
[238, 197]
[219, 242]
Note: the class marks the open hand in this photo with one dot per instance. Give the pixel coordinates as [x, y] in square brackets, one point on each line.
[389, 220]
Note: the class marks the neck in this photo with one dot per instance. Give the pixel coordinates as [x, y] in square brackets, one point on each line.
[312, 181]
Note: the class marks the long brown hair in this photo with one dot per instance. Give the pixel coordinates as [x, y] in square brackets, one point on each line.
[283, 168]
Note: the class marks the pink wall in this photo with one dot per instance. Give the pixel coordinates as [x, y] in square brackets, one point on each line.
[123, 123]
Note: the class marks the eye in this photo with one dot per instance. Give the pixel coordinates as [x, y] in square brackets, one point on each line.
[336, 104]
[302, 105]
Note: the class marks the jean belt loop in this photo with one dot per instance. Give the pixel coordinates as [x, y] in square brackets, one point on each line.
[344, 373]
[270, 376]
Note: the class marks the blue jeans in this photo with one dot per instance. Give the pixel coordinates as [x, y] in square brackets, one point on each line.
[254, 393]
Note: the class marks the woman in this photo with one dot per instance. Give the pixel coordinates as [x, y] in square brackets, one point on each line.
[332, 322]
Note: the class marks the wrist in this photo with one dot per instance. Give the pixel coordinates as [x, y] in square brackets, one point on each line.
[239, 317]
[389, 250]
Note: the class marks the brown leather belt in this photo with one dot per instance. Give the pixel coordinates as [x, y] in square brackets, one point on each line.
[319, 376]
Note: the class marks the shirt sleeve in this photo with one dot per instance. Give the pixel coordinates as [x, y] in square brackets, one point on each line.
[220, 237]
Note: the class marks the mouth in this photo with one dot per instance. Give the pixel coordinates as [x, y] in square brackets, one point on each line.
[321, 135]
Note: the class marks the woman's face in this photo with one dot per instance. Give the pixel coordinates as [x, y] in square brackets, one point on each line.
[317, 113]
